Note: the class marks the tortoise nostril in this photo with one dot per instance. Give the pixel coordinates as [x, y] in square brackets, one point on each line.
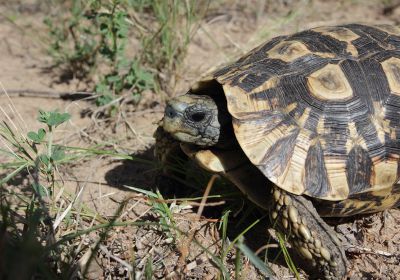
[170, 112]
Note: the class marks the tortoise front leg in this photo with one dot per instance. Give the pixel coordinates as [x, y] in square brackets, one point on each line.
[165, 146]
[316, 242]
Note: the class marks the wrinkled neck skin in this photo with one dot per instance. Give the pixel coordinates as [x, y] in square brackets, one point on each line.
[200, 120]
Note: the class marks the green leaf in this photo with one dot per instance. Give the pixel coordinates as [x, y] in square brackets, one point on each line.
[121, 24]
[33, 136]
[39, 189]
[41, 133]
[102, 88]
[53, 118]
[113, 78]
[37, 137]
[123, 64]
[104, 100]
[58, 153]
[44, 159]
[56, 118]
[43, 116]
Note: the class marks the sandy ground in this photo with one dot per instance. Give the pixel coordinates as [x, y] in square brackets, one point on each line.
[235, 29]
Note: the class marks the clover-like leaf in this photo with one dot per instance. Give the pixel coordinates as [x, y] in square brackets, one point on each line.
[37, 137]
[58, 153]
[56, 118]
[53, 118]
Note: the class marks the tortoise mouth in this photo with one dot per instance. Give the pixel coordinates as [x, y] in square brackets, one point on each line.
[180, 132]
[186, 134]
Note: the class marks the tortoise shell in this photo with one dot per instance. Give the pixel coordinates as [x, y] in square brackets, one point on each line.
[318, 112]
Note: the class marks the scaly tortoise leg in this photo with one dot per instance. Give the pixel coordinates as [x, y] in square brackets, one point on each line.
[167, 150]
[296, 217]
[165, 145]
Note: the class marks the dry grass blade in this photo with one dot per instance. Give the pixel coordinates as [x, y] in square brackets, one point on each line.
[60, 218]
[205, 195]
[364, 250]
[14, 110]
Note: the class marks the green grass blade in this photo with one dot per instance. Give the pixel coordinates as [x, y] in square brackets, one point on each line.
[12, 174]
[287, 257]
[255, 260]
[238, 264]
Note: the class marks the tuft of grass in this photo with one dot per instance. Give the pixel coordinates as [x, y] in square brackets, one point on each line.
[73, 42]
[29, 217]
[159, 205]
[90, 39]
[165, 42]
[40, 221]
[36, 150]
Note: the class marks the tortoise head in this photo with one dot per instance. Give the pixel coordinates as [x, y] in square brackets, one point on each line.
[196, 119]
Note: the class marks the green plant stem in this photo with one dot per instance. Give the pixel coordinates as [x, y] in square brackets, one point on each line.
[49, 147]
[238, 264]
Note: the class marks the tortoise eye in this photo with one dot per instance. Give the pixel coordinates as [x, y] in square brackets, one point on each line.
[198, 116]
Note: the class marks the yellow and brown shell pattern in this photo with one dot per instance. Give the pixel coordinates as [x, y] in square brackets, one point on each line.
[318, 112]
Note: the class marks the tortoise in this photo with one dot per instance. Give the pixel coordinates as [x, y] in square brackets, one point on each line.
[307, 126]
